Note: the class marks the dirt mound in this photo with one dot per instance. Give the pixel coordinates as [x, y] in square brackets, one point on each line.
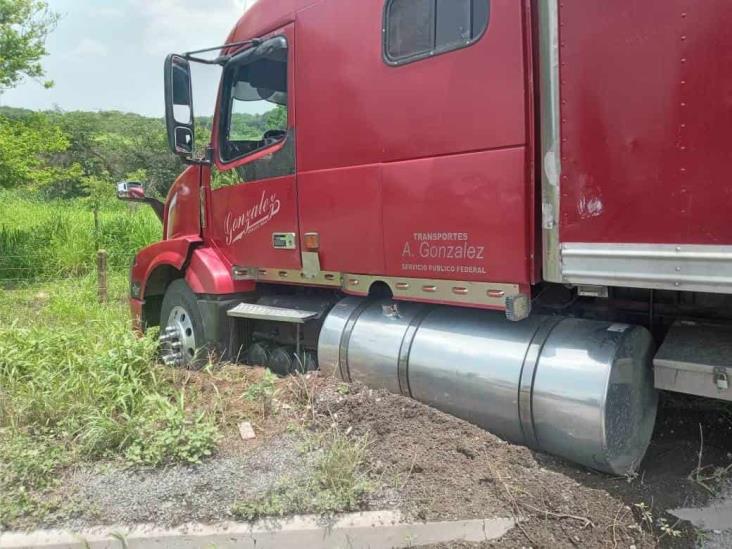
[444, 468]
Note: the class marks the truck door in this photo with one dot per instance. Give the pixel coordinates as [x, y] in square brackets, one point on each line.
[253, 211]
[413, 142]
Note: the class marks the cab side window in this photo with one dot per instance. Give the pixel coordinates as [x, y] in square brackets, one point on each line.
[255, 103]
[415, 29]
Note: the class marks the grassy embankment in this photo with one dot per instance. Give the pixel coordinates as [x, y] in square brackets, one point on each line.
[74, 382]
[76, 386]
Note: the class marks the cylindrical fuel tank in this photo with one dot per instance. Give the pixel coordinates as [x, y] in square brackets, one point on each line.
[575, 388]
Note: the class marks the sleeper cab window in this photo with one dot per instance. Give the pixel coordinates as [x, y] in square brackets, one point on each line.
[255, 100]
[415, 29]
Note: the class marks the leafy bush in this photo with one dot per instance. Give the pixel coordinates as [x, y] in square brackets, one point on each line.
[27, 467]
[24, 146]
[169, 435]
[263, 392]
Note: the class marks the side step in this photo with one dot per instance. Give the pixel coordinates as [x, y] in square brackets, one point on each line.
[267, 312]
[696, 359]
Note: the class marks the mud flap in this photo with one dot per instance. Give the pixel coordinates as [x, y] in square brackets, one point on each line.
[220, 330]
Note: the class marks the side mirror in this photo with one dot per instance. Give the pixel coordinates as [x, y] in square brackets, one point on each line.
[130, 190]
[179, 105]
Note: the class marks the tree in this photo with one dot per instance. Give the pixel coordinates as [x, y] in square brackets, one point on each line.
[25, 148]
[24, 26]
[276, 119]
[111, 146]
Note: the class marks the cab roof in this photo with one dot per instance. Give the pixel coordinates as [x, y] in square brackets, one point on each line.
[265, 16]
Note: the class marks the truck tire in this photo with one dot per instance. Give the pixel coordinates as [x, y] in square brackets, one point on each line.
[181, 328]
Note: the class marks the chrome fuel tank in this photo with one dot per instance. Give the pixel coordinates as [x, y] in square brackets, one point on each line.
[578, 389]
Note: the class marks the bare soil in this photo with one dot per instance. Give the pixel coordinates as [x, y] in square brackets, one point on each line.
[444, 468]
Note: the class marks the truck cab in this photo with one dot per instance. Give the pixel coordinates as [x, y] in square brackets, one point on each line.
[494, 206]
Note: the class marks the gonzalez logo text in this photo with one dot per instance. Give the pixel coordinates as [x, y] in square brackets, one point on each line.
[237, 227]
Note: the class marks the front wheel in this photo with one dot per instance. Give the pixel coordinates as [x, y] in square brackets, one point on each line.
[181, 328]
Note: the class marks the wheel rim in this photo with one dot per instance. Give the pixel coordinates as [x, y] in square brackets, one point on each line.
[179, 339]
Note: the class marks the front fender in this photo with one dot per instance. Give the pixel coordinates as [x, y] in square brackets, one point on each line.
[209, 273]
[167, 253]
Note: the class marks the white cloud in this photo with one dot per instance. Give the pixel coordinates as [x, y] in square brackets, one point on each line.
[88, 47]
[107, 11]
[178, 25]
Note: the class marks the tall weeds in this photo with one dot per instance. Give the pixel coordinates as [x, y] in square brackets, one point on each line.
[77, 372]
[42, 240]
[75, 383]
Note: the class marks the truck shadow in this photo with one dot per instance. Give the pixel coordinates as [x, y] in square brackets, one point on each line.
[688, 463]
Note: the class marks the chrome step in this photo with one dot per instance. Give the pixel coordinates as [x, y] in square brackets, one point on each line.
[266, 312]
[696, 359]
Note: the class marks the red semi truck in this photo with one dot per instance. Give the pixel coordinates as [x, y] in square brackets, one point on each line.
[517, 211]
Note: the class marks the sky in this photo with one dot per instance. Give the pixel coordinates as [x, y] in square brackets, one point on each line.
[109, 54]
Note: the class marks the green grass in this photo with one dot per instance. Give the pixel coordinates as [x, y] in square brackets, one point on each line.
[44, 240]
[75, 383]
[27, 466]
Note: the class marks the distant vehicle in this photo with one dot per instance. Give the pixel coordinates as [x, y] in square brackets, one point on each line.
[497, 207]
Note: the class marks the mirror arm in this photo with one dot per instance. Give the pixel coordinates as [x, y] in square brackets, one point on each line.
[190, 161]
[222, 59]
[157, 206]
[205, 160]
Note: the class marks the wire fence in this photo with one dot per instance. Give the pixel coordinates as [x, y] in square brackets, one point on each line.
[23, 270]
[43, 242]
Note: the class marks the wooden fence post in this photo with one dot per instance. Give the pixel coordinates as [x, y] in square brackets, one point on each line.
[96, 226]
[102, 276]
